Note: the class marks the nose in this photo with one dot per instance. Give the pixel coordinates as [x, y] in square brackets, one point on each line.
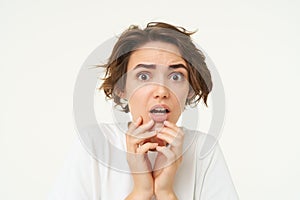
[161, 92]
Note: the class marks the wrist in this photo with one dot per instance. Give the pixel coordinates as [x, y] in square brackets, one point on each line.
[162, 195]
[137, 194]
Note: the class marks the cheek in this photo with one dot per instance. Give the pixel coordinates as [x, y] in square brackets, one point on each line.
[180, 97]
[137, 96]
[137, 103]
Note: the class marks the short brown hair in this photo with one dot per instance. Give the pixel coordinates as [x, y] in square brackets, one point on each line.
[116, 68]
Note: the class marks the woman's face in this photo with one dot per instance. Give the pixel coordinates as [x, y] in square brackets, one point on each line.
[156, 83]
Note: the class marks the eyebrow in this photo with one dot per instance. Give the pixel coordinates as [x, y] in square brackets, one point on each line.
[152, 66]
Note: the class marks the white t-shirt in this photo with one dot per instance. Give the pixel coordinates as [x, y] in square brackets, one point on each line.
[97, 168]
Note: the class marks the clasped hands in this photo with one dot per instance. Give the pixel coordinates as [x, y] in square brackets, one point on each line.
[159, 180]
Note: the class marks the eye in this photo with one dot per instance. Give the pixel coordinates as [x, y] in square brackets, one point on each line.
[176, 76]
[143, 76]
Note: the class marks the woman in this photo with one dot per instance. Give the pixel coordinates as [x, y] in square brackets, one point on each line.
[152, 73]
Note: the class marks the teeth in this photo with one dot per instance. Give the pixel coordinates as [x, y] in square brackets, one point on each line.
[159, 110]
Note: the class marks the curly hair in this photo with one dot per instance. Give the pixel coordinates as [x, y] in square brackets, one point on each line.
[134, 37]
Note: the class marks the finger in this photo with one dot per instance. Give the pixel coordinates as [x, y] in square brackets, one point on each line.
[146, 147]
[137, 139]
[143, 128]
[170, 136]
[168, 131]
[173, 127]
[134, 125]
[170, 155]
[165, 137]
[174, 142]
[133, 142]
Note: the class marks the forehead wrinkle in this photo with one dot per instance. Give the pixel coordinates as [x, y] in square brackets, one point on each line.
[157, 54]
[156, 58]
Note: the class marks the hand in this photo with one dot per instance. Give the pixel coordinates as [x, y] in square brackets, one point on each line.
[168, 160]
[138, 160]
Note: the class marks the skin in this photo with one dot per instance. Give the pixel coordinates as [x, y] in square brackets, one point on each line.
[150, 82]
[159, 88]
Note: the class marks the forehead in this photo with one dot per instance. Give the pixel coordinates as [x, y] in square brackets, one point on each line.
[158, 53]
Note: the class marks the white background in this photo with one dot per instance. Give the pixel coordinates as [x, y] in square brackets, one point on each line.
[254, 44]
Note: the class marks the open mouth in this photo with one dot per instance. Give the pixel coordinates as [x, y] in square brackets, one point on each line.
[159, 110]
[159, 113]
